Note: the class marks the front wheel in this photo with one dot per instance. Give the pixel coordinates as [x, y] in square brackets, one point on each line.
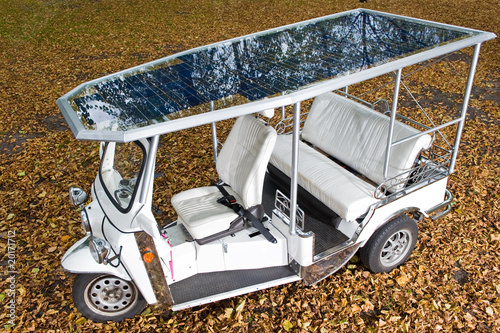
[104, 297]
[391, 245]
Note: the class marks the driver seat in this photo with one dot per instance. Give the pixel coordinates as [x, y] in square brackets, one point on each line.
[241, 165]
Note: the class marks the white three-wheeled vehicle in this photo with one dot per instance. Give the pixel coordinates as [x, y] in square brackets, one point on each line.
[341, 168]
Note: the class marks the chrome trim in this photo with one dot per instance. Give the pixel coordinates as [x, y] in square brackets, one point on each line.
[215, 141]
[407, 190]
[282, 204]
[333, 250]
[418, 176]
[328, 265]
[99, 249]
[447, 202]
[77, 196]
[149, 168]
[394, 108]
[286, 220]
[85, 222]
[465, 103]
[295, 166]
[285, 124]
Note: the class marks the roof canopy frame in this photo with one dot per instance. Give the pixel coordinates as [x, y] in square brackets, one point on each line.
[279, 100]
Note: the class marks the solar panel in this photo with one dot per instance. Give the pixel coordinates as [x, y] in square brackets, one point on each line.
[264, 65]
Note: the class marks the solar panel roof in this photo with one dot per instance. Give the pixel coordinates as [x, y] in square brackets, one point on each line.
[254, 72]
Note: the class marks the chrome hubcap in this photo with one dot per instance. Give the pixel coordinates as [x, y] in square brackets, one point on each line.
[110, 294]
[396, 248]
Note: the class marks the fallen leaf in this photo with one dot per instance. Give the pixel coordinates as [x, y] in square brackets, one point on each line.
[287, 325]
[489, 310]
[81, 321]
[65, 238]
[147, 311]
[228, 312]
[240, 306]
[368, 306]
[402, 279]
[469, 317]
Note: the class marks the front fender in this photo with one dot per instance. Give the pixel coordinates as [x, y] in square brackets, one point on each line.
[79, 260]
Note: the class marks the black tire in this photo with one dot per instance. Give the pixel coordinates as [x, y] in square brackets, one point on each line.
[104, 297]
[391, 245]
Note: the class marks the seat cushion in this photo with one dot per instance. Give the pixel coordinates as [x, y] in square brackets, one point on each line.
[200, 212]
[241, 164]
[344, 193]
[243, 159]
[357, 136]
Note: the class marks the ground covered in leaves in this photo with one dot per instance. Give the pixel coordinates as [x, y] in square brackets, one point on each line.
[450, 283]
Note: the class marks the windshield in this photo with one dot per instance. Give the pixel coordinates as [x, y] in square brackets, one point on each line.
[120, 172]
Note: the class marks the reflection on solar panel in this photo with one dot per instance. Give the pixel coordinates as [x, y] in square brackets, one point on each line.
[276, 62]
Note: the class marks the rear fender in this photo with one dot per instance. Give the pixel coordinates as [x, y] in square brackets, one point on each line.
[79, 260]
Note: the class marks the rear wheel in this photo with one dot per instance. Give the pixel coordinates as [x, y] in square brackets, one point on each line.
[391, 245]
[103, 297]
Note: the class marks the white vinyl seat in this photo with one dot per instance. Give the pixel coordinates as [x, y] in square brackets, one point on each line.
[241, 165]
[340, 190]
[355, 135]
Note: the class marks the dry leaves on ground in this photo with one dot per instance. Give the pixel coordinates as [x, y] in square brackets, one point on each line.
[450, 283]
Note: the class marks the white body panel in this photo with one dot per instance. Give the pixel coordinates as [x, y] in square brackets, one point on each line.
[300, 247]
[79, 260]
[131, 259]
[245, 250]
[420, 200]
[249, 251]
[183, 255]
[210, 257]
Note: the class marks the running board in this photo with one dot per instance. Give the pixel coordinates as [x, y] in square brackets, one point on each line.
[210, 287]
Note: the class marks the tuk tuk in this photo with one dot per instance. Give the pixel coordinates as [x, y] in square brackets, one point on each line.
[318, 166]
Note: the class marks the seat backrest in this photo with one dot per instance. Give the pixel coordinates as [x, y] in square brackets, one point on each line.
[243, 159]
[357, 136]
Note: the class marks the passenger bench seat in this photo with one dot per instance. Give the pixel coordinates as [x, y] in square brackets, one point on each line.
[355, 135]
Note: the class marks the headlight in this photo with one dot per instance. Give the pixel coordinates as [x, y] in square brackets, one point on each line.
[85, 222]
[99, 249]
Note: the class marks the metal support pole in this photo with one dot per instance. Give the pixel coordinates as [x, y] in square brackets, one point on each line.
[465, 104]
[295, 165]
[283, 109]
[214, 135]
[391, 123]
[149, 169]
[214, 141]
